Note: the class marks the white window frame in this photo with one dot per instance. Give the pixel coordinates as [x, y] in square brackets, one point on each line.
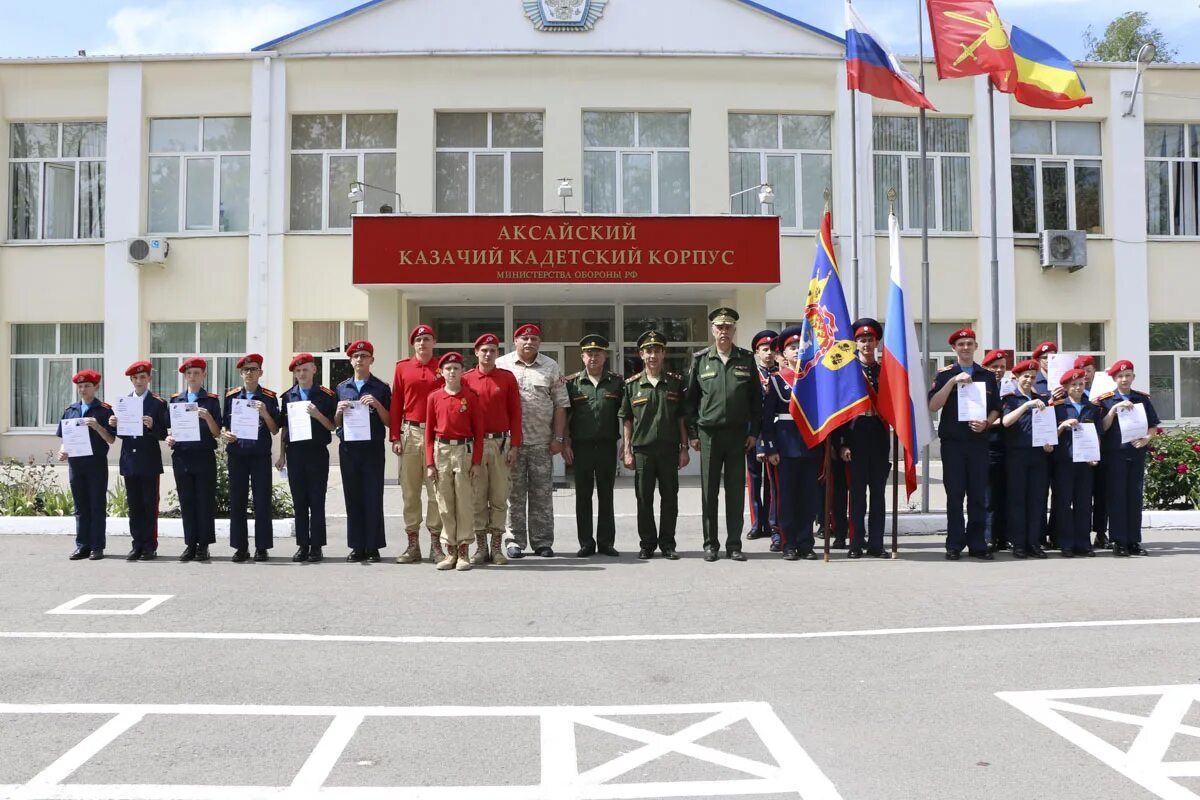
[490, 150]
[43, 359]
[1176, 412]
[183, 157]
[326, 356]
[159, 378]
[1190, 158]
[781, 152]
[1099, 354]
[653, 152]
[935, 183]
[360, 169]
[1039, 160]
[41, 200]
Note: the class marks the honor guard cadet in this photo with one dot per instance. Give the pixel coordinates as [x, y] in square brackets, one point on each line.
[414, 378]
[723, 404]
[865, 443]
[1028, 465]
[500, 399]
[1099, 501]
[591, 446]
[1124, 463]
[453, 448]
[250, 462]
[305, 455]
[964, 447]
[654, 439]
[194, 463]
[759, 474]
[362, 460]
[88, 474]
[1073, 480]
[141, 464]
[995, 530]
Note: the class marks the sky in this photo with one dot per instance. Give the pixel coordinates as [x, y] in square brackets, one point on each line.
[63, 27]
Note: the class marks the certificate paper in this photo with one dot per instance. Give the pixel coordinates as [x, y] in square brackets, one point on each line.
[77, 440]
[1045, 427]
[185, 422]
[1085, 443]
[299, 422]
[1058, 364]
[356, 423]
[1133, 423]
[972, 401]
[243, 419]
[129, 415]
[1101, 384]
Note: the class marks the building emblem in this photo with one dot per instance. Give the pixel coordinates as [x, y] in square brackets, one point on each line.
[564, 15]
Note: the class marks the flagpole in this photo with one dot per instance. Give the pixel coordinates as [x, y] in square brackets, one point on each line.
[854, 199]
[995, 265]
[925, 351]
[896, 455]
[828, 496]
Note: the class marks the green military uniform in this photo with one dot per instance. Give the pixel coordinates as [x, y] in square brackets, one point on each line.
[594, 430]
[654, 407]
[723, 407]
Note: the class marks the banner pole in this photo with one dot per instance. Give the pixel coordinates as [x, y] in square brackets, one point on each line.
[924, 183]
[828, 496]
[995, 264]
[895, 495]
[854, 201]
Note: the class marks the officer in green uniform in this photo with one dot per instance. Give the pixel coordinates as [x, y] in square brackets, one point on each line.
[723, 406]
[591, 446]
[655, 436]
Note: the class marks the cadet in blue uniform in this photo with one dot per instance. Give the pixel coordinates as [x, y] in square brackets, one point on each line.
[758, 471]
[964, 447]
[362, 462]
[1028, 466]
[1124, 463]
[995, 530]
[89, 474]
[141, 464]
[865, 443]
[195, 464]
[250, 462]
[307, 460]
[1073, 480]
[1048, 533]
[1099, 501]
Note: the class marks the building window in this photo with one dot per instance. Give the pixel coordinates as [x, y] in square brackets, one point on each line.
[327, 341]
[56, 171]
[220, 343]
[1080, 338]
[793, 153]
[44, 357]
[686, 328]
[948, 165]
[1055, 184]
[199, 175]
[489, 163]
[1175, 369]
[1173, 180]
[636, 162]
[331, 151]
[457, 327]
[942, 354]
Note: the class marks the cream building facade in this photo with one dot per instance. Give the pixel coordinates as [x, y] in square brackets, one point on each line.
[242, 162]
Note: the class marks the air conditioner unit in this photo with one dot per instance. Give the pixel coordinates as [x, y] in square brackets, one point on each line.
[148, 250]
[1064, 250]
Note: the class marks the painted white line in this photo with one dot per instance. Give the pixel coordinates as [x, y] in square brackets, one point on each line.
[325, 755]
[335, 638]
[78, 755]
[149, 601]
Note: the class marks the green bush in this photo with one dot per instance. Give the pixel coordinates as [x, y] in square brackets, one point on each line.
[281, 498]
[1173, 470]
[29, 489]
[118, 500]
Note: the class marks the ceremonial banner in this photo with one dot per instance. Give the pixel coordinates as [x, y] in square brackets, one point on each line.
[968, 39]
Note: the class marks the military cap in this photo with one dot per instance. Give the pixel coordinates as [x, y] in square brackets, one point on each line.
[867, 325]
[361, 346]
[788, 335]
[763, 337]
[194, 362]
[300, 358]
[1071, 375]
[138, 367]
[1025, 366]
[528, 329]
[450, 358]
[1084, 361]
[487, 338]
[420, 330]
[86, 376]
[961, 333]
[1124, 363]
[249, 358]
[1044, 349]
[651, 338]
[723, 316]
[593, 341]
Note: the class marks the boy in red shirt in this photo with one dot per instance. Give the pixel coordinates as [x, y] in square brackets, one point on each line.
[453, 450]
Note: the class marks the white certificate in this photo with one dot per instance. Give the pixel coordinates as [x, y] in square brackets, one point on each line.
[77, 440]
[1133, 423]
[356, 423]
[972, 401]
[243, 419]
[1085, 443]
[1045, 427]
[129, 415]
[1102, 383]
[1008, 386]
[1058, 364]
[299, 422]
[185, 422]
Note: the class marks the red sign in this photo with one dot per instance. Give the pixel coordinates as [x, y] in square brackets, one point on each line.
[537, 248]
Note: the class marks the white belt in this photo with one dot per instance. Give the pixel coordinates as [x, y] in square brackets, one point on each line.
[783, 417]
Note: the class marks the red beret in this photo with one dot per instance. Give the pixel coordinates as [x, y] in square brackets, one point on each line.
[420, 330]
[361, 346]
[487, 338]
[994, 355]
[450, 358]
[528, 329]
[1120, 365]
[1025, 366]
[249, 358]
[1084, 361]
[300, 358]
[961, 333]
[1071, 375]
[193, 363]
[1045, 348]
[86, 376]
[138, 367]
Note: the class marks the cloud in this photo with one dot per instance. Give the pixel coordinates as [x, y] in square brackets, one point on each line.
[211, 27]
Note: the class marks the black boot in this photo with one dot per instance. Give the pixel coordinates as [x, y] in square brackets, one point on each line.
[188, 554]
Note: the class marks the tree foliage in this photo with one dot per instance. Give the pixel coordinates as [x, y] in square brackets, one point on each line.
[1124, 36]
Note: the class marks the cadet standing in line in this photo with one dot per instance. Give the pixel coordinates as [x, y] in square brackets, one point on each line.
[964, 447]
[760, 474]
[1073, 491]
[362, 462]
[1028, 465]
[865, 443]
[592, 433]
[500, 398]
[1099, 501]
[141, 464]
[1048, 532]
[250, 462]
[194, 464]
[453, 448]
[723, 405]
[654, 444]
[1124, 462]
[88, 475]
[306, 458]
[995, 531]
[412, 381]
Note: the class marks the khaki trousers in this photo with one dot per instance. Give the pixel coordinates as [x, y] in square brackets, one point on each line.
[412, 479]
[454, 492]
[491, 490]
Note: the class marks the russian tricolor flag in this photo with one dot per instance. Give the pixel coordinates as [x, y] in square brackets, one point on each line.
[872, 68]
[901, 401]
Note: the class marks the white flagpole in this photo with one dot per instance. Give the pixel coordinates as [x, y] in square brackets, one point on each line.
[925, 351]
[854, 290]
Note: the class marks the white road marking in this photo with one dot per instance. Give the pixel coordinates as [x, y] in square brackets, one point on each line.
[149, 601]
[78, 755]
[325, 755]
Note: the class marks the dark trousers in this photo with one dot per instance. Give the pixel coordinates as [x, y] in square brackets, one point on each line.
[89, 489]
[362, 486]
[1049, 529]
[799, 500]
[657, 467]
[995, 529]
[1028, 469]
[1073, 505]
[869, 465]
[250, 473]
[308, 478]
[1099, 500]
[595, 466]
[1125, 477]
[722, 456]
[759, 491]
[142, 493]
[196, 482]
[964, 474]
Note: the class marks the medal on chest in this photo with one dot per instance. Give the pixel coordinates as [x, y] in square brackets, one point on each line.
[462, 406]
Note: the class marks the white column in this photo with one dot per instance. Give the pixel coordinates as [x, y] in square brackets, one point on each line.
[385, 320]
[1005, 248]
[868, 283]
[124, 174]
[1131, 286]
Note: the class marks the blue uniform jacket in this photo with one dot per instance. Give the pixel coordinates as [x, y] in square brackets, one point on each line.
[98, 411]
[377, 389]
[780, 433]
[948, 425]
[1066, 410]
[261, 445]
[1021, 434]
[141, 455]
[210, 403]
[324, 400]
[1110, 440]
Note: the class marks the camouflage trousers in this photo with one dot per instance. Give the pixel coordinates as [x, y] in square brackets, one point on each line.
[530, 502]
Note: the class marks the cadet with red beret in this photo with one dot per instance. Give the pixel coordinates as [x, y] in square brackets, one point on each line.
[250, 462]
[88, 475]
[760, 474]
[1099, 501]
[195, 463]
[1124, 462]
[305, 455]
[362, 462]
[141, 463]
[995, 530]
[1027, 464]
[1041, 354]
[1073, 480]
[453, 450]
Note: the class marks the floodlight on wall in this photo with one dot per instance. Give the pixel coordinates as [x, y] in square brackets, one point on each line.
[1145, 57]
[766, 195]
[358, 193]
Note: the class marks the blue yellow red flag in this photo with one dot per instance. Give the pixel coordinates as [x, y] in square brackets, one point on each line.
[1043, 78]
[829, 388]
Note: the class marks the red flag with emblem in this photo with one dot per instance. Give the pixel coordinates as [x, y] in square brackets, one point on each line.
[969, 39]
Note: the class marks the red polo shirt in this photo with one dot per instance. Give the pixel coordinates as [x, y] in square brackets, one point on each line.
[454, 416]
[501, 400]
[411, 385]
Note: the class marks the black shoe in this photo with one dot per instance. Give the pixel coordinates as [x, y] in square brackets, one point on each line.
[1067, 553]
[97, 555]
[879, 554]
[586, 552]
[1136, 549]
[952, 555]
[737, 555]
[241, 555]
[545, 552]
[821, 532]
[261, 554]
[148, 555]
[984, 556]
[808, 555]
[1020, 552]
[997, 547]
[315, 555]
[711, 554]
[1038, 552]
[356, 555]
[776, 547]
[609, 551]
[373, 557]
[854, 554]
[188, 553]
[1088, 554]
[80, 554]
[670, 555]
[645, 554]
[791, 555]
[1120, 550]
[1101, 541]
[133, 555]
[839, 543]
[202, 553]
[757, 534]
[301, 554]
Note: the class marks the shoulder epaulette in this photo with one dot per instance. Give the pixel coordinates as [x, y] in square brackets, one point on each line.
[634, 378]
[267, 392]
[948, 366]
[571, 377]
[233, 391]
[1103, 397]
[213, 396]
[156, 396]
[176, 395]
[105, 405]
[700, 352]
[328, 391]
